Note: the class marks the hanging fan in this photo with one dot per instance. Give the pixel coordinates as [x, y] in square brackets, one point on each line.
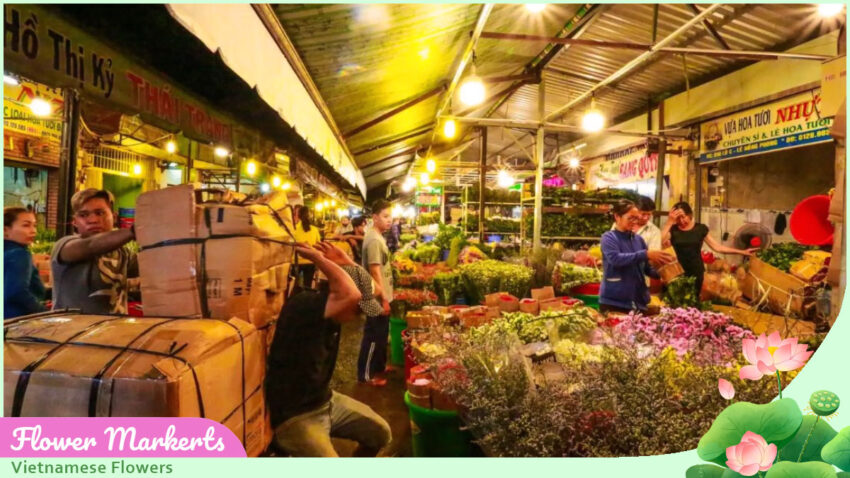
[752, 235]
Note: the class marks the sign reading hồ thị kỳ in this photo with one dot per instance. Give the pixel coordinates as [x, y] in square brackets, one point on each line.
[787, 123]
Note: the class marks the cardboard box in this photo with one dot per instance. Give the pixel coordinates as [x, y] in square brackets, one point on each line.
[529, 306]
[138, 367]
[508, 303]
[805, 270]
[422, 319]
[202, 258]
[819, 258]
[544, 293]
[782, 289]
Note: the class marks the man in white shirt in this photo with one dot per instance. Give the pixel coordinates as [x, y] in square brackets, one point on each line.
[650, 233]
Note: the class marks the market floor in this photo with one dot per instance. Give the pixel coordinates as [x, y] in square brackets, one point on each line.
[387, 401]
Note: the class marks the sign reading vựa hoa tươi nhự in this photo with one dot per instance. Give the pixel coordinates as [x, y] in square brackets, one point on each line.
[788, 123]
[40, 45]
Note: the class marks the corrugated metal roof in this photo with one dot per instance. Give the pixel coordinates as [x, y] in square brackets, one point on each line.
[367, 59]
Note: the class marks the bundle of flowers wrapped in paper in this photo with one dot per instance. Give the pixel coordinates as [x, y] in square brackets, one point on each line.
[411, 299]
[710, 338]
[489, 276]
[573, 323]
[567, 275]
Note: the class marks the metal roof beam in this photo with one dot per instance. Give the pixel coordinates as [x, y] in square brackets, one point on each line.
[394, 111]
[406, 135]
[710, 28]
[394, 155]
[382, 170]
[628, 67]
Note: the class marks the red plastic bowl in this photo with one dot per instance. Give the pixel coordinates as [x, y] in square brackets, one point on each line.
[810, 222]
[587, 289]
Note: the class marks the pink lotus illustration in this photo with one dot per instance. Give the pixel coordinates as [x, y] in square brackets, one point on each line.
[750, 456]
[769, 354]
[727, 391]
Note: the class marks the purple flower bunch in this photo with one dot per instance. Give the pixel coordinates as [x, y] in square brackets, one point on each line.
[710, 338]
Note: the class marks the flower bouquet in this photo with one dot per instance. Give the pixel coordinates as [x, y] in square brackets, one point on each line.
[410, 299]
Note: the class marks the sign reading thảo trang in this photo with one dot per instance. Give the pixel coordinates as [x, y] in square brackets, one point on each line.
[787, 123]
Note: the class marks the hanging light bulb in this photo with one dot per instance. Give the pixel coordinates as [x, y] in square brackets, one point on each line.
[472, 89]
[504, 179]
[319, 207]
[171, 147]
[408, 184]
[593, 121]
[276, 181]
[251, 168]
[431, 165]
[264, 188]
[424, 179]
[221, 152]
[396, 211]
[286, 186]
[829, 10]
[449, 129]
[535, 7]
[40, 107]
[137, 169]
[333, 202]
[574, 163]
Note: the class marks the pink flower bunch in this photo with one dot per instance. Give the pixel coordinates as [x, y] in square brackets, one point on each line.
[711, 338]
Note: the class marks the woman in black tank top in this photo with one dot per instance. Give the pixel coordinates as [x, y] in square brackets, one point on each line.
[687, 237]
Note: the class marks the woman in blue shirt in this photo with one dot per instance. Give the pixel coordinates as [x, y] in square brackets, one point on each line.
[626, 262]
[22, 287]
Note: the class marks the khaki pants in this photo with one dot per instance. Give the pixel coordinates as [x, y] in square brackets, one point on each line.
[309, 434]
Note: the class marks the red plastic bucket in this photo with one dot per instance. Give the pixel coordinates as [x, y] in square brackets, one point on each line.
[810, 222]
[587, 289]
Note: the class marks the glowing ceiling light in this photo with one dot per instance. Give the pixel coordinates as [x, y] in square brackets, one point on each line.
[172, 165]
[593, 121]
[431, 166]
[504, 179]
[424, 179]
[137, 169]
[276, 181]
[264, 188]
[221, 152]
[333, 202]
[829, 10]
[423, 53]
[251, 168]
[409, 212]
[449, 129]
[408, 184]
[472, 91]
[11, 80]
[40, 107]
[319, 206]
[171, 147]
[396, 211]
[574, 163]
[286, 186]
[535, 7]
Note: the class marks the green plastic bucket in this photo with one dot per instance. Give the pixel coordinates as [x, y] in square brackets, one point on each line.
[436, 433]
[589, 300]
[396, 342]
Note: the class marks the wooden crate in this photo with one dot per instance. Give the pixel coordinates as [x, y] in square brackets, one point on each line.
[760, 322]
[780, 286]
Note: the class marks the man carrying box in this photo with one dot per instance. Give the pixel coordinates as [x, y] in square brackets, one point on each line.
[90, 268]
[305, 412]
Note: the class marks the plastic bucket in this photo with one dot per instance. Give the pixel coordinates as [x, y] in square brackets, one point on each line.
[586, 289]
[810, 222]
[436, 433]
[445, 255]
[397, 326]
[589, 300]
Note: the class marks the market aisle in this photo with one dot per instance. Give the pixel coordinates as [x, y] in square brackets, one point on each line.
[387, 401]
